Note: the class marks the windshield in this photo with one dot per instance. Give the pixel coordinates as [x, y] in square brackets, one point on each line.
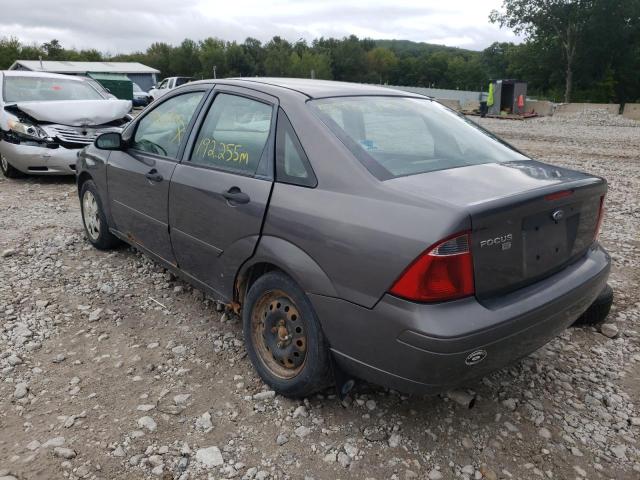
[136, 88]
[399, 136]
[38, 89]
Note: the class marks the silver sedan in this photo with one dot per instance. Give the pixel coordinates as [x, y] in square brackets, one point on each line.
[45, 119]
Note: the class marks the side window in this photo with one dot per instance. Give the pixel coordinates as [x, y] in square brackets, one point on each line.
[163, 129]
[292, 164]
[163, 84]
[233, 134]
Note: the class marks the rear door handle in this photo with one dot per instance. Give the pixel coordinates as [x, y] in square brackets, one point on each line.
[154, 176]
[235, 195]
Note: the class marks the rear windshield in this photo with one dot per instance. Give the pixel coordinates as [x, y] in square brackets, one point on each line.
[38, 89]
[399, 136]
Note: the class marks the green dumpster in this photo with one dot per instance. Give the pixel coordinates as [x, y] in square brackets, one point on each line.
[119, 85]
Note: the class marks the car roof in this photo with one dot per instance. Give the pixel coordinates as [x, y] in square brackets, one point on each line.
[311, 88]
[25, 73]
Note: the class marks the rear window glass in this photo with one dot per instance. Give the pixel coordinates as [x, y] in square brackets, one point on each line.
[38, 89]
[399, 136]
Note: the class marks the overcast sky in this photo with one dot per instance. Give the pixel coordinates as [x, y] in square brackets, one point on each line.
[121, 26]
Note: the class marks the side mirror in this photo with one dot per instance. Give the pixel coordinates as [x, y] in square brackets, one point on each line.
[110, 141]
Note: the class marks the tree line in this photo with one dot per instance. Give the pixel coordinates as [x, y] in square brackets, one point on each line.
[580, 50]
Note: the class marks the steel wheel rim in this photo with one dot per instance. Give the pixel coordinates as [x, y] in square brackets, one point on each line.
[5, 164]
[90, 215]
[279, 334]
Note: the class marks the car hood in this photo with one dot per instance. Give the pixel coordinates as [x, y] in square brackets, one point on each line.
[76, 112]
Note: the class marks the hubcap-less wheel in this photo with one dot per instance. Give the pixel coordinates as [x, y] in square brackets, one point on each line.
[90, 215]
[279, 334]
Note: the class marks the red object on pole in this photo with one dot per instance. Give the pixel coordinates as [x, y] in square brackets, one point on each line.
[520, 101]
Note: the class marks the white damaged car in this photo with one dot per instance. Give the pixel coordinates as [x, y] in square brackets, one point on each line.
[46, 119]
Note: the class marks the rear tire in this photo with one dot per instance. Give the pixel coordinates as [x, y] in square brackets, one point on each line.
[283, 337]
[9, 170]
[94, 220]
[599, 309]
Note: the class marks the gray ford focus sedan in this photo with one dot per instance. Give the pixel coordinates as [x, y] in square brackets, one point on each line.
[360, 231]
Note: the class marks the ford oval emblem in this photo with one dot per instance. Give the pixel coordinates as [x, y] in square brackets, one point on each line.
[476, 357]
[557, 215]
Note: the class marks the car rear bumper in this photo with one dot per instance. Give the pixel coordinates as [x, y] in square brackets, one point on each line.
[429, 348]
[40, 160]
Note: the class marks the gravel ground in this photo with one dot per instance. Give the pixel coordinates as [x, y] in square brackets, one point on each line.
[111, 368]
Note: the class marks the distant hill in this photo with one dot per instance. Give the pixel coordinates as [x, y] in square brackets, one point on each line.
[408, 47]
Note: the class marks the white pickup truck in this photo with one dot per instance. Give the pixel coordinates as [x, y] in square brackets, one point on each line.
[167, 84]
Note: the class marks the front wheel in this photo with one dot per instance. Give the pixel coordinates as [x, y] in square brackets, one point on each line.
[94, 219]
[283, 337]
[9, 170]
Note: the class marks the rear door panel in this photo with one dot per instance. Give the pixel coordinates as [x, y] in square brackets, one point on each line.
[207, 232]
[211, 235]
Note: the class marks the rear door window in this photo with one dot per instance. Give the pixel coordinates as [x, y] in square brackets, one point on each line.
[163, 129]
[233, 134]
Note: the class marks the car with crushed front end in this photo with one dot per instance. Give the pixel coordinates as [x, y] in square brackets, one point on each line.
[361, 232]
[47, 118]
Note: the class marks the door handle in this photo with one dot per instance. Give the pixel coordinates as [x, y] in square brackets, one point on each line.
[154, 176]
[235, 195]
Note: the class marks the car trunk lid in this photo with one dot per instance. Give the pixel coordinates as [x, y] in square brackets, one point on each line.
[528, 219]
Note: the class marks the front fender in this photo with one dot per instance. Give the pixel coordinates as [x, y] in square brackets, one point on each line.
[92, 163]
[294, 261]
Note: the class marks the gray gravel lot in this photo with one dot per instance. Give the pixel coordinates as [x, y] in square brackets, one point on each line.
[112, 368]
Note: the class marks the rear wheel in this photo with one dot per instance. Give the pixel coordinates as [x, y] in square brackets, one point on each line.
[599, 309]
[9, 170]
[94, 219]
[283, 337]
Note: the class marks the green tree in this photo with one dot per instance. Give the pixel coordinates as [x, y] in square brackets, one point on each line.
[381, 62]
[158, 56]
[349, 59]
[212, 54]
[308, 65]
[9, 51]
[277, 56]
[53, 50]
[238, 64]
[255, 56]
[560, 20]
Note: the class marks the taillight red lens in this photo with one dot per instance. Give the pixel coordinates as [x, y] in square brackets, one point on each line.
[443, 272]
[600, 218]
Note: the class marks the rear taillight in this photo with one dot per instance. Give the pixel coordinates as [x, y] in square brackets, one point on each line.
[600, 218]
[443, 272]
